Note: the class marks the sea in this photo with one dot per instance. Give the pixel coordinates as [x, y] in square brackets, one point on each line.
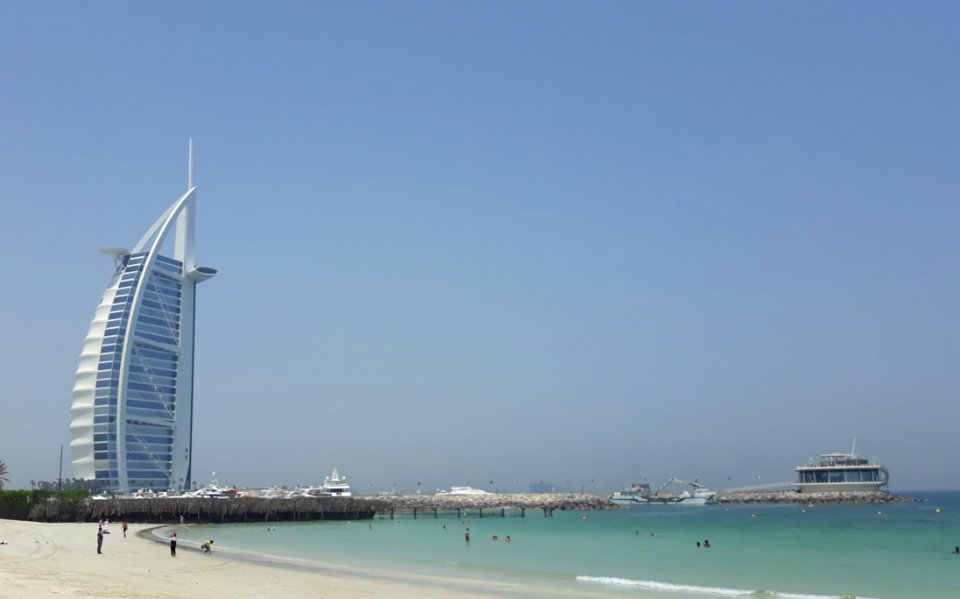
[880, 551]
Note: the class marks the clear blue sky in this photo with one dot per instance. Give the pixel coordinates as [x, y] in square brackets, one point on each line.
[462, 242]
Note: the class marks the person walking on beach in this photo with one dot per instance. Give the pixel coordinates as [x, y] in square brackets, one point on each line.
[124, 527]
[99, 539]
[173, 544]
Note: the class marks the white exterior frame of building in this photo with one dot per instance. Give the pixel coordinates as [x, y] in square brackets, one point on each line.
[179, 217]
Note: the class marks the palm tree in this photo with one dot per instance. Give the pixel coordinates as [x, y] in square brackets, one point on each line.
[3, 472]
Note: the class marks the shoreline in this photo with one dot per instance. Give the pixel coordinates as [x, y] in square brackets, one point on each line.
[45, 559]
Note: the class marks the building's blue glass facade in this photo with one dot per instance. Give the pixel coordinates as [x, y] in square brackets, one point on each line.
[151, 381]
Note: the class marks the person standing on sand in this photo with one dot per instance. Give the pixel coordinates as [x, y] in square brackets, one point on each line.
[124, 527]
[173, 544]
[99, 539]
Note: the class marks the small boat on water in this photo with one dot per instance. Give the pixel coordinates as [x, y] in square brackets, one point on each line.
[462, 491]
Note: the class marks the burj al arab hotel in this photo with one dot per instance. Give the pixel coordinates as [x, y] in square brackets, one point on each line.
[131, 421]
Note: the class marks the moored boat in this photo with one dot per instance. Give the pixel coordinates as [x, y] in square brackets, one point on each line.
[336, 485]
[637, 494]
[462, 491]
[700, 495]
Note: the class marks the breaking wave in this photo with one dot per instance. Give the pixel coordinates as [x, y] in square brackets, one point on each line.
[653, 585]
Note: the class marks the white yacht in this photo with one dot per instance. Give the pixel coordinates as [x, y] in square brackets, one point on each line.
[842, 472]
[211, 490]
[333, 486]
[336, 485]
[463, 491]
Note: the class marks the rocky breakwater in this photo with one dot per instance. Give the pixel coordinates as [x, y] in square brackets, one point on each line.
[813, 498]
[493, 502]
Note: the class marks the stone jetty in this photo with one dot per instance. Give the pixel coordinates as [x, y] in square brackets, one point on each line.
[209, 510]
[834, 497]
[493, 504]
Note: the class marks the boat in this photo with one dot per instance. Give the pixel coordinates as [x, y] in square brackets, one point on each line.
[462, 491]
[700, 495]
[211, 490]
[637, 494]
[333, 486]
[842, 472]
[336, 485]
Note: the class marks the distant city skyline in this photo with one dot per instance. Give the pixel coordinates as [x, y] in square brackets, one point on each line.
[508, 242]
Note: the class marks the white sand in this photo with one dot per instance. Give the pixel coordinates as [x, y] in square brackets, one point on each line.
[61, 560]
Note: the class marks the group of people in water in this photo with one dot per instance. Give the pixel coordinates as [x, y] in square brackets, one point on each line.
[466, 536]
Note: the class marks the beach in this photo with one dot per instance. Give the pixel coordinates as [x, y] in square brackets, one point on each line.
[902, 551]
[42, 560]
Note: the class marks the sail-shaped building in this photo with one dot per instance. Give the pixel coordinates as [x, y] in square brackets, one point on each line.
[131, 421]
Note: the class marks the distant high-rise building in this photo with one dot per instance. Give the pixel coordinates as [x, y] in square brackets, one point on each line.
[132, 414]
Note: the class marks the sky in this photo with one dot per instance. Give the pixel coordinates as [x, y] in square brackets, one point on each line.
[497, 243]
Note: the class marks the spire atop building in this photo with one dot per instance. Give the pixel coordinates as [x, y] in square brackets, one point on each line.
[189, 163]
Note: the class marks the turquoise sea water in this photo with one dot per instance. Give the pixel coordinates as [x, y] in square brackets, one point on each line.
[895, 551]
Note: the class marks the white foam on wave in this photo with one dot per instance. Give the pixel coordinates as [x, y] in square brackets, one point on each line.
[653, 585]
[801, 596]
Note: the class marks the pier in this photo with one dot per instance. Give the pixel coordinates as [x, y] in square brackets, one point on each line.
[207, 510]
[497, 505]
[301, 509]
